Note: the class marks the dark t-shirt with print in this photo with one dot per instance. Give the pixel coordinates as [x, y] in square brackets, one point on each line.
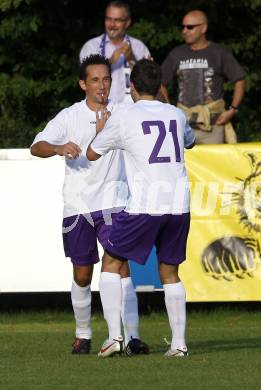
[201, 73]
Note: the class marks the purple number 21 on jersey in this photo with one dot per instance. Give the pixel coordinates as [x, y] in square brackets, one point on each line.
[154, 157]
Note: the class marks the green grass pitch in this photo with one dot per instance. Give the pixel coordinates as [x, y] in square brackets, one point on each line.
[224, 346]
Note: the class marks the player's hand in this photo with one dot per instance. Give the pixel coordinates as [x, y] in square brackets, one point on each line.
[225, 117]
[69, 150]
[101, 119]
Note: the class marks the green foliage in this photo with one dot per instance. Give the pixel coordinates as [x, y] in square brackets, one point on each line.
[19, 25]
[148, 32]
[40, 41]
[7, 4]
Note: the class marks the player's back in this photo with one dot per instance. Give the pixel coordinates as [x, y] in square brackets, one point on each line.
[154, 136]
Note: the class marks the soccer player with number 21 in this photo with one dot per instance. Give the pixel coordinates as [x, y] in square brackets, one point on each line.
[153, 136]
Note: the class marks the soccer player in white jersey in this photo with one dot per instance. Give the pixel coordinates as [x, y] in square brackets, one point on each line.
[93, 193]
[152, 136]
[121, 49]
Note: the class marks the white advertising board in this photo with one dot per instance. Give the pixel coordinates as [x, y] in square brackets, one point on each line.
[31, 249]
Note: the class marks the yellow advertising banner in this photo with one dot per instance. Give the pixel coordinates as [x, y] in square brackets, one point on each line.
[224, 246]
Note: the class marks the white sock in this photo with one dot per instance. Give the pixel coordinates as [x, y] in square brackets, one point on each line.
[129, 310]
[175, 300]
[81, 302]
[110, 292]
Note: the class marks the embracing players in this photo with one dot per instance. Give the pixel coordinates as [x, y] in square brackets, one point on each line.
[93, 193]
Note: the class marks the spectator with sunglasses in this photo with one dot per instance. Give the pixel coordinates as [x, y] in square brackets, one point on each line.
[121, 49]
[200, 68]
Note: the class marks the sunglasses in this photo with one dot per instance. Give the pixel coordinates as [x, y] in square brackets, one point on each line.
[190, 26]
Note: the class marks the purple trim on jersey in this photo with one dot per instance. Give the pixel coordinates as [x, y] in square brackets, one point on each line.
[80, 234]
[133, 236]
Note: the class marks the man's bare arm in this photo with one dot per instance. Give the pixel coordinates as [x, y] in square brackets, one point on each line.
[163, 94]
[45, 149]
[239, 91]
[92, 155]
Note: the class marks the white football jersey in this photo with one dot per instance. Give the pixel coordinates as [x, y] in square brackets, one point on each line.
[120, 88]
[153, 136]
[88, 186]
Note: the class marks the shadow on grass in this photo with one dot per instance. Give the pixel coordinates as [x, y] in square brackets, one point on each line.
[225, 345]
[210, 346]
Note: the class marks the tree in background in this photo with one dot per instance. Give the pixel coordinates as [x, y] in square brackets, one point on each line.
[40, 42]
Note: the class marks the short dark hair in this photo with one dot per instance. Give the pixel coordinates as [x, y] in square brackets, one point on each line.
[146, 77]
[93, 59]
[119, 4]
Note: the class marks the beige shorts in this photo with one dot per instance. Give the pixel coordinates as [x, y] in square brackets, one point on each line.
[215, 136]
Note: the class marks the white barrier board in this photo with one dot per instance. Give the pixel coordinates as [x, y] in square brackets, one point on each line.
[31, 249]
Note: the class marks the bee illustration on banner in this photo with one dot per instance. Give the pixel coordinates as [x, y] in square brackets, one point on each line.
[233, 257]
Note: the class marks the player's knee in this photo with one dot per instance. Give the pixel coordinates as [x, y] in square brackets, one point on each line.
[169, 279]
[125, 270]
[82, 275]
[82, 280]
[111, 264]
[168, 273]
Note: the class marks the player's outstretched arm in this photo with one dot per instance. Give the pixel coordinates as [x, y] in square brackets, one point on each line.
[45, 149]
[91, 154]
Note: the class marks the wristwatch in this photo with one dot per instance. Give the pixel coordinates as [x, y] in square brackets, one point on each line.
[233, 108]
